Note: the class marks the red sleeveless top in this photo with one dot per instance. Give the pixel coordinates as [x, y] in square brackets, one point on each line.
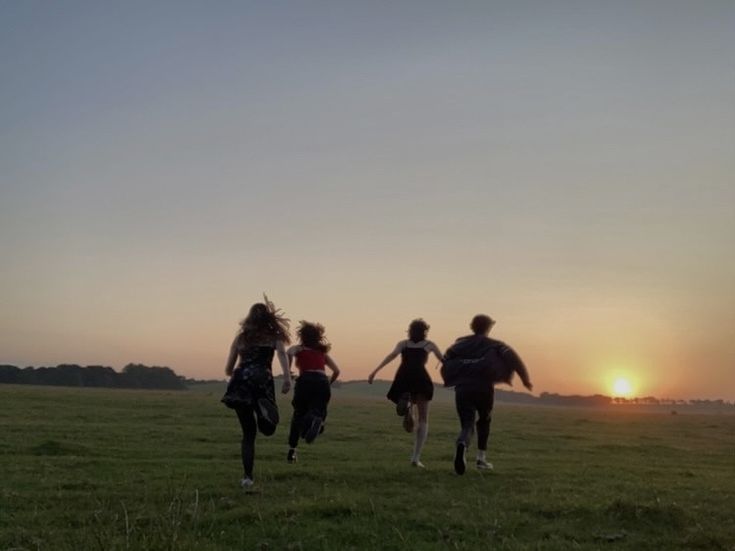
[310, 360]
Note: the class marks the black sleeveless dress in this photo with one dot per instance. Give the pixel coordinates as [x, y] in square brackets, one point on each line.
[412, 377]
[252, 379]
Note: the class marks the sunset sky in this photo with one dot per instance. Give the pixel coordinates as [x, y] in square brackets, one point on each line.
[565, 167]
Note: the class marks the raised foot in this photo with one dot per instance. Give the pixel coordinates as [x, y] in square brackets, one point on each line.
[313, 430]
[460, 463]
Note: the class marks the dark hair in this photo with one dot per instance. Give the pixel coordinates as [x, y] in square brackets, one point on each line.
[481, 324]
[311, 335]
[417, 330]
[264, 323]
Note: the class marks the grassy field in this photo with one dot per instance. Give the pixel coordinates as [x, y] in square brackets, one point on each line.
[113, 469]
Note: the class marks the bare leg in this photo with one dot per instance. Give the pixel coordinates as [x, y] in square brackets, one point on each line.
[422, 429]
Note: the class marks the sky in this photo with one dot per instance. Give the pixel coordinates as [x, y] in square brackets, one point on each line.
[565, 167]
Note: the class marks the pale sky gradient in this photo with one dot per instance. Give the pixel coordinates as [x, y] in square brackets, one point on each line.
[566, 167]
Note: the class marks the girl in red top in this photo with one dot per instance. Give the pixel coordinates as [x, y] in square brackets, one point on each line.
[312, 392]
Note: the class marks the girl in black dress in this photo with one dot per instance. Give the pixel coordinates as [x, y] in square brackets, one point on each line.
[412, 384]
[250, 391]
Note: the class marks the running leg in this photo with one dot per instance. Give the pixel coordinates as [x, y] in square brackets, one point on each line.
[484, 410]
[422, 430]
[466, 411]
[249, 427]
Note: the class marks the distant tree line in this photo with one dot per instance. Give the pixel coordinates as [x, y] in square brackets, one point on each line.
[132, 376]
[574, 399]
[652, 401]
[193, 382]
[552, 399]
[596, 400]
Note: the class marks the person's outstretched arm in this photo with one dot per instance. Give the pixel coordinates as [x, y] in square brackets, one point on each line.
[518, 366]
[231, 359]
[388, 359]
[434, 349]
[283, 360]
[333, 366]
[523, 374]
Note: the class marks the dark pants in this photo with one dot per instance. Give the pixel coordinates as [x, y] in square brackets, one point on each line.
[310, 398]
[471, 401]
[248, 423]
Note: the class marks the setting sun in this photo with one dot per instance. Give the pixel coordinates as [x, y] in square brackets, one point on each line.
[622, 388]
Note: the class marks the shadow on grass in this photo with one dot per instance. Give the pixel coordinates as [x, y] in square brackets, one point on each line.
[670, 515]
[52, 447]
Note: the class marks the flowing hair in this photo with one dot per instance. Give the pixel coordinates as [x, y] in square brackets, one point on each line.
[312, 336]
[264, 323]
[417, 330]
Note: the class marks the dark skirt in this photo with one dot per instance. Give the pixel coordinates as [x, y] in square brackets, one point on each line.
[412, 380]
[248, 385]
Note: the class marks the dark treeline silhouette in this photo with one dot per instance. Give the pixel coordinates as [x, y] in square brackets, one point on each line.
[653, 401]
[597, 400]
[189, 382]
[132, 376]
[574, 400]
[379, 387]
[142, 376]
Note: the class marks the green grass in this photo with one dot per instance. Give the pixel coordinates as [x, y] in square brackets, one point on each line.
[116, 469]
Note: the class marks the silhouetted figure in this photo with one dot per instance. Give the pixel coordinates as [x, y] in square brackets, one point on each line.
[473, 364]
[312, 391]
[412, 383]
[250, 391]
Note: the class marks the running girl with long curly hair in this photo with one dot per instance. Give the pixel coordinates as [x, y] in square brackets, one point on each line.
[250, 391]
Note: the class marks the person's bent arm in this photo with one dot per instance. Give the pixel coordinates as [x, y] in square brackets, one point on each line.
[388, 359]
[283, 360]
[333, 366]
[291, 353]
[231, 359]
[434, 349]
[520, 368]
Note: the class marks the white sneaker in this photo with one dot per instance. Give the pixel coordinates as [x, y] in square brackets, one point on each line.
[246, 483]
[418, 464]
[484, 465]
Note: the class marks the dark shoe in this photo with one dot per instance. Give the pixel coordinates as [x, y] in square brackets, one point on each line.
[291, 457]
[313, 429]
[267, 411]
[460, 463]
[408, 421]
[402, 405]
[267, 416]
